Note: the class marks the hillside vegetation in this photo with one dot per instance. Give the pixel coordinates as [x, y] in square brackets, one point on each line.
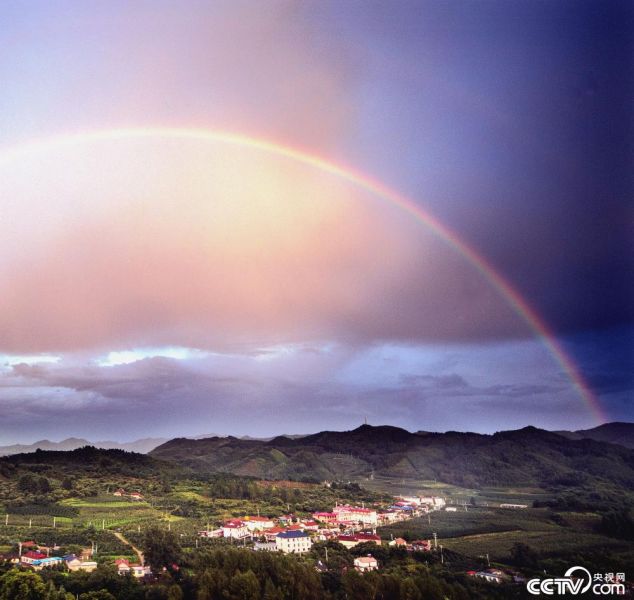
[527, 456]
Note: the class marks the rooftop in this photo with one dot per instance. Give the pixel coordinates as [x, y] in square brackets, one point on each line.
[292, 534]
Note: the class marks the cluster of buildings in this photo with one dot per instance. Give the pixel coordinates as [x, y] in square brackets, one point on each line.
[349, 525]
[39, 557]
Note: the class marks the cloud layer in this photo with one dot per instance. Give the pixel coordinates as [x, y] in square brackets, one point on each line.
[154, 242]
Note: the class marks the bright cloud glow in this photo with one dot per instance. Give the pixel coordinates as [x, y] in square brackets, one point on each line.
[124, 357]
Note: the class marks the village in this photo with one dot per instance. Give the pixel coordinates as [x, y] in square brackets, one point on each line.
[347, 525]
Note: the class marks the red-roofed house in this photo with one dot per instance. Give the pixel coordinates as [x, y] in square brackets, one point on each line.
[31, 557]
[398, 542]
[235, 528]
[271, 534]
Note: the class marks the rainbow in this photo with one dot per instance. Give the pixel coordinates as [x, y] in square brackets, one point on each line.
[363, 181]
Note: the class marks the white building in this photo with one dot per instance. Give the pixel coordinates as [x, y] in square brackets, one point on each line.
[367, 516]
[235, 529]
[258, 523]
[366, 563]
[293, 542]
[81, 565]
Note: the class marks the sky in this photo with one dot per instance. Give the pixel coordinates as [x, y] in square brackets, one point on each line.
[258, 218]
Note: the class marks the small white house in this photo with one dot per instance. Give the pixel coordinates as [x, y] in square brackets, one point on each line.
[366, 563]
[81, 565]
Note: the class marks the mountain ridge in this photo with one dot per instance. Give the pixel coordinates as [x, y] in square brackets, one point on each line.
[526, 456]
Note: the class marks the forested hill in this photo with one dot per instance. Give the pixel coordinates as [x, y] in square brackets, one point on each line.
[88, 462]
[527, 456]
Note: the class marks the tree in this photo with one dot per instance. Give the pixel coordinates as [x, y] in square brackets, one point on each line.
[161, 549]
[175, 593]
[244, 586]
[44, 485]
[523, 555]
[21, 585]
[28, 483]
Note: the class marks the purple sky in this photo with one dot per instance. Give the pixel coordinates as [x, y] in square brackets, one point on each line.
[176, 287]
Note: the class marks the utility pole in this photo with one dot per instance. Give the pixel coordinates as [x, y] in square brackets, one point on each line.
[435, 540]
[488, 561]
[442, 558]
[54, 522]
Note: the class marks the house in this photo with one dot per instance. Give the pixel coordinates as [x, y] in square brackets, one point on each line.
[31, 557]
[367, 516]
[211, 533]
[398, 543]
[293, 542]
[271, 534]
[310, 525]
[388, 516]
[136, 496]
[433, 501]
[29, 544]
[325, 517]
[119, 492]
[49, 561]
[78, 565]
[412, 500]
[139, 571]
[235, 529]
[421, 545]
[490, 577]
[349, 541]
[123, 566]
[258, 523]
[265, 546]
[366, 563]
[451, 509]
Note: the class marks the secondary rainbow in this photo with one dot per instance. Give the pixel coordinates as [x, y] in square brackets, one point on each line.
[503, 287]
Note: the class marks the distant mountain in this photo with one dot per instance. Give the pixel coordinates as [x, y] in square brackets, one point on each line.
[142, 446]
[613, 433]
[527, 456]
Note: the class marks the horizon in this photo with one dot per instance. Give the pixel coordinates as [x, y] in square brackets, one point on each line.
[288, 217]
[275, 435]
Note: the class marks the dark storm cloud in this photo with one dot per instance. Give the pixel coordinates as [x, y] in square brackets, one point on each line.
[515, 127]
